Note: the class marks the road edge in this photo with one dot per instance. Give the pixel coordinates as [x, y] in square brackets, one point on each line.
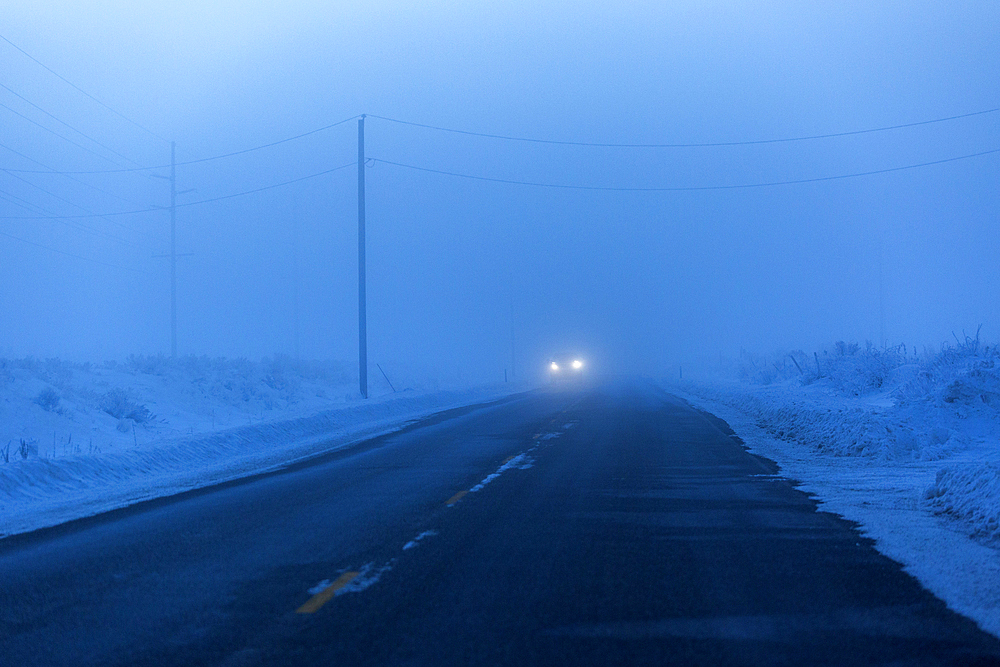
[966, 578]
[322, 449]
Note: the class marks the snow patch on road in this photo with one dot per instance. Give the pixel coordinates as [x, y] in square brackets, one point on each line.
[516, 462]
[412, 543]
[367, 577]
[320, 587]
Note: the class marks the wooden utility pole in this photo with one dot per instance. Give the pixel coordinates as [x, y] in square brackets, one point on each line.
[513, 356]
[173, 249]
[173, 254]
[296, 279]
[362, 302]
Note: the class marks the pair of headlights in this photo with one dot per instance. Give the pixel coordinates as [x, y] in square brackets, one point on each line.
[577, 365]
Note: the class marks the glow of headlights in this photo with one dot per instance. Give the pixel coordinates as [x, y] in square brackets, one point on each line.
[554, 366]
[577, 364]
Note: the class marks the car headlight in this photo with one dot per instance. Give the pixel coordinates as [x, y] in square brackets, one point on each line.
[577, 364]
[554, 366]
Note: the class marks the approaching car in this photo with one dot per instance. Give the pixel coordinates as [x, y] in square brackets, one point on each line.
[565, 368]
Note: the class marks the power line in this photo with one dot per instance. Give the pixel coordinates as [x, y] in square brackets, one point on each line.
[198, 160]
[4, 197]
[692, 188]
[273, 143]
[186, 204]
[68, 223]
[59, 120]
[22, 202]
[829, 135]
[49, 170]
[123, 170]
[269, 187]
[81, 90]
[12, 172]
[49, 129]
[69, 254]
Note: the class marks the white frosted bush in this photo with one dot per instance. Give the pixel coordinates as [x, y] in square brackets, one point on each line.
[970, 492]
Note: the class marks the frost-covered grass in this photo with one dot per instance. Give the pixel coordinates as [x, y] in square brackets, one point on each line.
[970, 491]
[77, 439]
[62, 408]
[965, 373]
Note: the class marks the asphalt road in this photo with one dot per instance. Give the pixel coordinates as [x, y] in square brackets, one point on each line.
[609, 526]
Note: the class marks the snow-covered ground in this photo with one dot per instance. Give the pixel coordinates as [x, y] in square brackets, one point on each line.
[906, 444]
[80, 439]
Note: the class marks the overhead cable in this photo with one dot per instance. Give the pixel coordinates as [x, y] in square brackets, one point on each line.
[69, 223]
[711, 144]
[740, 186]
[11, 172]
[81, 90]
[21, 201]
[59, 120]
[50, 170]
[69, 254]
[185, 204]
[273, 143]
[269, 187]
[196, 161]
[49, 129]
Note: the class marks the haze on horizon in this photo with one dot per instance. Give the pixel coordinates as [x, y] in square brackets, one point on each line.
[633, 280]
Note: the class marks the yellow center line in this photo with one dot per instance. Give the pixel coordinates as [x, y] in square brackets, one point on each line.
[455, 498]
[324, 596]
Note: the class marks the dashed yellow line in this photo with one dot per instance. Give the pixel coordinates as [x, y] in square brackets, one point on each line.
[455, 498]
[324, 596]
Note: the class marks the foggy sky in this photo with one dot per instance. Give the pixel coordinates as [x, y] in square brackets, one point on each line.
[635, 281]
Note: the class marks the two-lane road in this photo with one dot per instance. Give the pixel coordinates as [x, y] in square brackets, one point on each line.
[610, 526]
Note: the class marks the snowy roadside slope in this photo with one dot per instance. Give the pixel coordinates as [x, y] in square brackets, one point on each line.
[51, 484]
[911, 457]
[44, 492]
